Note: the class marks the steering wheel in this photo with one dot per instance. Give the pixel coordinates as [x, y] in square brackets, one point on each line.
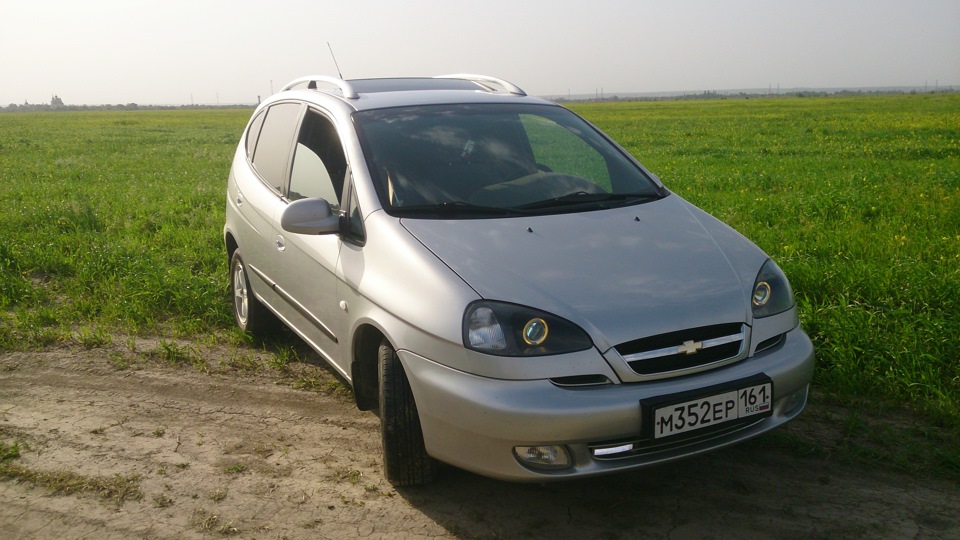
[531, 188]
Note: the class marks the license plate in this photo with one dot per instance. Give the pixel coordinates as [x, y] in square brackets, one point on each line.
[712, 410]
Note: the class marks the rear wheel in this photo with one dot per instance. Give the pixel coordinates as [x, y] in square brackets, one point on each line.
[405, 459]
[251, 316]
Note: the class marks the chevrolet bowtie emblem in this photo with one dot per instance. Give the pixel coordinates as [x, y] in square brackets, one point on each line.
[690, 347]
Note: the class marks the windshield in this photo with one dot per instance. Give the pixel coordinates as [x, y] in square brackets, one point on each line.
[482, 160]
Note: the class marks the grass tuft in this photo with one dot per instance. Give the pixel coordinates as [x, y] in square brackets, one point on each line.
[181, 355]
[9, 452]
[117, 488]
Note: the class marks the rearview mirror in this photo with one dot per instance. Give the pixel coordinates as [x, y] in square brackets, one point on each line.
[310, 216]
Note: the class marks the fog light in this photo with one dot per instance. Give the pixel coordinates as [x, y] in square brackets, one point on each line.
[792, 404]
[543, 457]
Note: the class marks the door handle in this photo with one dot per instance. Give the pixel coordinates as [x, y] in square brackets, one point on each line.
[280, 243]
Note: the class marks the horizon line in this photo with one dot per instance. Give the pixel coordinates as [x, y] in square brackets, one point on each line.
[600, 93]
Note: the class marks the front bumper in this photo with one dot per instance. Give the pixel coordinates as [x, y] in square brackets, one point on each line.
[475, 422]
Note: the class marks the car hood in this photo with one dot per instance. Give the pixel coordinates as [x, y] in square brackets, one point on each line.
[621, 274]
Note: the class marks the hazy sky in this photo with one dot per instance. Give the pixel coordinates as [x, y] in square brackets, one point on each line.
[231, 51]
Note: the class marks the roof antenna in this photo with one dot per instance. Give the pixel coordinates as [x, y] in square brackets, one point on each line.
[334, 60]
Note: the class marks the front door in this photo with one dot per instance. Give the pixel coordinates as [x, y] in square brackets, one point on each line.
[306, 269]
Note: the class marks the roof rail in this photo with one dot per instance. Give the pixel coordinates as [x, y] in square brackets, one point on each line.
[312, 80]
[508, 86]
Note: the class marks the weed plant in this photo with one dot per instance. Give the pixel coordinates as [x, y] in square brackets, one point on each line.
[111, 222]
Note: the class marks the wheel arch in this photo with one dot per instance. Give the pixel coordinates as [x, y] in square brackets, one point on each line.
[231, 244]
[363, 366]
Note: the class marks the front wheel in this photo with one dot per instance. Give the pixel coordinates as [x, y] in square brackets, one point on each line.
[405, 459]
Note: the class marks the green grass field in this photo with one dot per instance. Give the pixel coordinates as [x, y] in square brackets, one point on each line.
[857, 199]
[110, 223]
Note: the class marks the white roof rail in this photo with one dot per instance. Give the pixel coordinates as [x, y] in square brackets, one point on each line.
[508, 86]
[312, 80]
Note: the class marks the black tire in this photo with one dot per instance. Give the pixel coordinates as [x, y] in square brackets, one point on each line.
[405, 460]
[250, 315]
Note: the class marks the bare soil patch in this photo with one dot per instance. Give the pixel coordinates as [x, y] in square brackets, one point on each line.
[243, 452]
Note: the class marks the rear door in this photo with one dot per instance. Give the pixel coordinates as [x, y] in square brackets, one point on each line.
[258, 192]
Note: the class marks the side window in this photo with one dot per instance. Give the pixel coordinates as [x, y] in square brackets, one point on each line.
[254, 133]
[354, 230]
[319, 165]
[272, 152]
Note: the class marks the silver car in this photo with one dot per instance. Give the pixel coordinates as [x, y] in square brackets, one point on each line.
[510, 290]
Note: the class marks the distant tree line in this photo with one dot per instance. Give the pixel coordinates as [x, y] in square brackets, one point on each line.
[710, 95]
[56, 104]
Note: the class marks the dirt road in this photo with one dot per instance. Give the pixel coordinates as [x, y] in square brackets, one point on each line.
[161, 451]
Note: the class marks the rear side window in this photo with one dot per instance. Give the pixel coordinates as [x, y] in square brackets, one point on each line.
[272, 152]
[254, 132]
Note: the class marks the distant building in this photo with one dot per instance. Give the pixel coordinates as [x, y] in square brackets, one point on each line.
[56, 102]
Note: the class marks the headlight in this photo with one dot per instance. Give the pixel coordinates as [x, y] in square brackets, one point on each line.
[771, 291]
[504, 329]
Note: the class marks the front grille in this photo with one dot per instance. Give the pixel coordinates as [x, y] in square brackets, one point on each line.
[684, 349]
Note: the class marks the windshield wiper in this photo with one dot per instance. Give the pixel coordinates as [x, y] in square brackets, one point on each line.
[457, 208]
[582, 197]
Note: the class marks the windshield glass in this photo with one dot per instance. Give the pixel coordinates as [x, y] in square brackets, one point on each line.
[484, 160]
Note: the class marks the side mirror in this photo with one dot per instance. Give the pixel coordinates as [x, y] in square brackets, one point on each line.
[310, 216]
